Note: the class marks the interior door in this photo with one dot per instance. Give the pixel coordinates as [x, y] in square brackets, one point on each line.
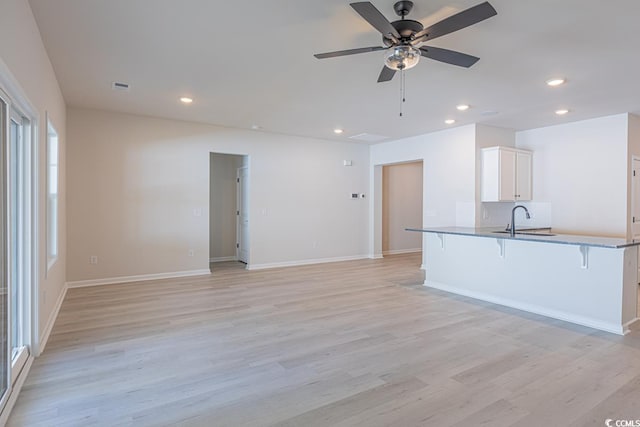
[635, 205]
[243, 215]
[635, 188]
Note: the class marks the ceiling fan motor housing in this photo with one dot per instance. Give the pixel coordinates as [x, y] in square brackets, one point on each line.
[406, 28]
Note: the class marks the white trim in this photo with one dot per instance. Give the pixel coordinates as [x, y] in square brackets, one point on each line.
[137, 278]
[627, 326]
[15, 92]
[44, 336]
[560, 315]
[15, 391]
[305, 262]
[223, 259]
[401, 251]
[376, 256]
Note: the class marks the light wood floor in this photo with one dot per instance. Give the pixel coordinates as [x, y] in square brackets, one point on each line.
[348, 344]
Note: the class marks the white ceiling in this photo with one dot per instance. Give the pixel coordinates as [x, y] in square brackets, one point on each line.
[251, 63]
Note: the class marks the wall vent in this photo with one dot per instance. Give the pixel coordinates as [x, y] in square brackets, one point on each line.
[368, 137]
[120, 86]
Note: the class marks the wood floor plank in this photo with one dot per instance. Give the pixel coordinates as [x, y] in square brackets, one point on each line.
[357, 343]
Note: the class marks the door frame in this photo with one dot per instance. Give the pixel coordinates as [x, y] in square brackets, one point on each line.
[242, 190]
[17, 100]
[376, 206]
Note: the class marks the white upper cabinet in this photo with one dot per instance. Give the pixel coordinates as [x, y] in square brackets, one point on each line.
[506, 175]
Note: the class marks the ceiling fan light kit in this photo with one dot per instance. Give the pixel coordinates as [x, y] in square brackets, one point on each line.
[401, 57]
[402, 38]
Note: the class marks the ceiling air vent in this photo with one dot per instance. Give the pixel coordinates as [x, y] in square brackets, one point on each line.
[368, 137]
[120, 86]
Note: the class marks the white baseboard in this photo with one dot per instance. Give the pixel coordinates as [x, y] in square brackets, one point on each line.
[627, 326]
[223, 259]
[560, 315]
[305, 262]
[376, 256]
[44, 337]
[15, 391]
[137, 278]
[401, 251]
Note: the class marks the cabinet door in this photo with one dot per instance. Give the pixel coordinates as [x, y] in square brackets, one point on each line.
[523, 176]
[507, 179]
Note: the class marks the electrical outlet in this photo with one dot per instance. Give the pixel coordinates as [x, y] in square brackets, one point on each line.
[191, 252]
[93, 259]
[197, 212]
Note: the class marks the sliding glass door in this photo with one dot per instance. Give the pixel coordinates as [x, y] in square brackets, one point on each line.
[5, 355]
[16, 266]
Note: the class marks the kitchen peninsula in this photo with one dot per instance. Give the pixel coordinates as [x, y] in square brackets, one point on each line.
[587, 280]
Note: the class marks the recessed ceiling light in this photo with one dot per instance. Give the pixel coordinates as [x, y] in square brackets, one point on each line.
[186, 100]
[462, 107]
[562, 111]
[338, 131]
[555, 82]
[449, 121]
[255, 127]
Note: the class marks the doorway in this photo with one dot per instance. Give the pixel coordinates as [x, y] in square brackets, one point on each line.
[228, 210]
[635, 216]
[397, 204]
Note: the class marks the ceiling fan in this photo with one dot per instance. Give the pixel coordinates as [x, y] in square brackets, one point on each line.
[402, 37]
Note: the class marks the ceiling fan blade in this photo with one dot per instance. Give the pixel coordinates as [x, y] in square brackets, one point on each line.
[348, 52]
[374, 17]
[460, 20]
[448, 56]
[386, 74]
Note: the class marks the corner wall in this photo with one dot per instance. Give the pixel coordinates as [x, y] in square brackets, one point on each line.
[580, 174]
[23, 52]
[135, 182]
[449, 158]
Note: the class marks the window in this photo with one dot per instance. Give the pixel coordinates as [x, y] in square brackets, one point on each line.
[52, 194]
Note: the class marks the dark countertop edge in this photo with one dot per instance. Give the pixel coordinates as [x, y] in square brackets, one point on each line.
[560, 239]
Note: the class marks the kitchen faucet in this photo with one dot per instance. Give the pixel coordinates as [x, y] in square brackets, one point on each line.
[512, 231]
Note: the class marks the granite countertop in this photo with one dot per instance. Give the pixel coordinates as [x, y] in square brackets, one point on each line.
[545, 235]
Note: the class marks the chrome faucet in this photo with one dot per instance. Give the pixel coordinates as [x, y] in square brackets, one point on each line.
[512, 231]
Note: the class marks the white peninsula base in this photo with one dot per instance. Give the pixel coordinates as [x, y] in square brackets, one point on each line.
[595, 286]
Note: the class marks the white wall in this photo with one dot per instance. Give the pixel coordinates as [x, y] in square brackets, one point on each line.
[22, 53]
[493, 214]
[135, 181]
[402, 207]
[633, 150]
[448, 178]
[580, 174]
[223, 206]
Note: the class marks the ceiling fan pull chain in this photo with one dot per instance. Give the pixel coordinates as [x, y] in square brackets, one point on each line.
[402, 90]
